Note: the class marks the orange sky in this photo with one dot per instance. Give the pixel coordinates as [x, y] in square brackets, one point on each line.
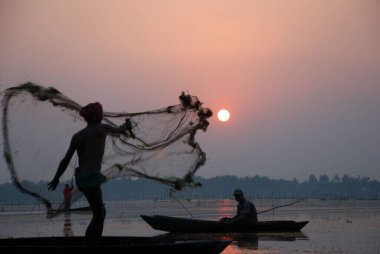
[300, 78]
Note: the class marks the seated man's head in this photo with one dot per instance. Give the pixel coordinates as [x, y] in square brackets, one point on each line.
[238, 194]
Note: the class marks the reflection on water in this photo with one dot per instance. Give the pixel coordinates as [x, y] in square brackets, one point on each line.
[246, 241]
[345, 227]
[67, 230]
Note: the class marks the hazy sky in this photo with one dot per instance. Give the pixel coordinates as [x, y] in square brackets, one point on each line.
[301, 78]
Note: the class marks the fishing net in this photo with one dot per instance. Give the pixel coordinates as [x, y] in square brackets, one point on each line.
[38, 123]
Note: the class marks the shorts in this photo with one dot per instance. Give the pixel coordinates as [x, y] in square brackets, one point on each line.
[88, 179]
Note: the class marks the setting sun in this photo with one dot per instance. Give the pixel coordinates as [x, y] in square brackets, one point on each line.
[223, 115]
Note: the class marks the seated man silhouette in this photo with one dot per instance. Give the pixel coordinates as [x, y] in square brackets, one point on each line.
[246, 210]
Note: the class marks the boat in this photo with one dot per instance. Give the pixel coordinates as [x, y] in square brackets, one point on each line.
[186, 225]
[243, 237]
[116, 244]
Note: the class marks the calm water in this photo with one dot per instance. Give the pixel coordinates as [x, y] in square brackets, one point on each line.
[335, 226]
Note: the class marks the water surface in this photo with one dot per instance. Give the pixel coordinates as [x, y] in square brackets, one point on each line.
[349, 226]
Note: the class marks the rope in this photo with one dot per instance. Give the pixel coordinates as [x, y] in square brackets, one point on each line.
[183, 206]
[279, 207]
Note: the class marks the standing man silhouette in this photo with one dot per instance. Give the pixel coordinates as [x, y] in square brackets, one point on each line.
[67, 196]
[89, 143]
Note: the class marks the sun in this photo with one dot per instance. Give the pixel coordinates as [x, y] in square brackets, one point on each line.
[223, 115]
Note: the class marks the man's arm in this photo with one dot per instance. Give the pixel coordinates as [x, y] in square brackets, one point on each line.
[127, 126]
[242, 214]
[238, 218]
[115, 129]
[230, 219]
[63, 165]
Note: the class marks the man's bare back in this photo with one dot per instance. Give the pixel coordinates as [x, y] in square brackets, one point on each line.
[90, 142]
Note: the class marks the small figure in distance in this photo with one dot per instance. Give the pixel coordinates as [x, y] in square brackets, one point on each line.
[246, 210]
[89, 144]
[67, 195]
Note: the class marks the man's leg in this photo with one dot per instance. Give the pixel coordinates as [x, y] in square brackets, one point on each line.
[95, 228]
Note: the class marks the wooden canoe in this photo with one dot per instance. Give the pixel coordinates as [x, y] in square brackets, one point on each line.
[185, 225]
[115, 244]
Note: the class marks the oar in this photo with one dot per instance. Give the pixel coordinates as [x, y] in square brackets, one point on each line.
[279, 207]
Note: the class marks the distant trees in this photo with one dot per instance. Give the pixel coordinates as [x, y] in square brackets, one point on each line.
[323, 187]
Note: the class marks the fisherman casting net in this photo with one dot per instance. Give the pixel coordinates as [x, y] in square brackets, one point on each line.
[38, 124]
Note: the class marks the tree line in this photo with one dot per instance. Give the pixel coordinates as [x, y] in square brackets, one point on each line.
[256, 187]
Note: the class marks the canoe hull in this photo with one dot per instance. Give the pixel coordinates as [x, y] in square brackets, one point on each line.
[113, 243]
[183, 225]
